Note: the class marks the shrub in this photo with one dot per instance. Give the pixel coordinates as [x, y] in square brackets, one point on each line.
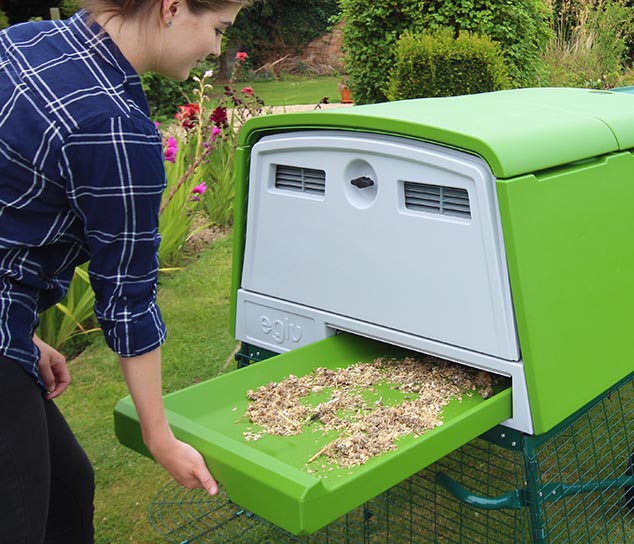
[162, 94]
[436, 64]
[373, 28]
[68, 7]
[522, 29]
[71, 317]
[4, 20]
[590, 45]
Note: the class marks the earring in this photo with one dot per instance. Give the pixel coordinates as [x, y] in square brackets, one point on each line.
[168, 23]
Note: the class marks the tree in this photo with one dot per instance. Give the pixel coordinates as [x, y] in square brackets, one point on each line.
[19, 11]
[276, 27]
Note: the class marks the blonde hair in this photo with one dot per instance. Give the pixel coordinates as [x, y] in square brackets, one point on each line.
[131, 8]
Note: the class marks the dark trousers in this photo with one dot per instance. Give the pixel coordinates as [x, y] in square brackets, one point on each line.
[46, 479]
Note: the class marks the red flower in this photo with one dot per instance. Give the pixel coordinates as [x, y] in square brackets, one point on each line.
[188, 115]
[241, 56]
[219, 117]
[247, 90]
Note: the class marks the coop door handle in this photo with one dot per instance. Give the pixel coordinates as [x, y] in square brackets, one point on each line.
[362, 182]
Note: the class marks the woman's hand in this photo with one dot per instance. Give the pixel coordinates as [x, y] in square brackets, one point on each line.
[53, 369]
[184, 464]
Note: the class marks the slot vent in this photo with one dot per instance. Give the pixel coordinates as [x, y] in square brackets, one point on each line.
[304, 180]
[437, 199]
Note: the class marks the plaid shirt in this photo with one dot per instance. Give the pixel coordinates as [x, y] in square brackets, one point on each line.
[81, 178]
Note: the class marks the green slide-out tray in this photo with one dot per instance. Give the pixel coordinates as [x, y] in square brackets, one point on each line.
[269, 476]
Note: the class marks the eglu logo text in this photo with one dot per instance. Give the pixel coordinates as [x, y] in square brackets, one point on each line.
[281, 330]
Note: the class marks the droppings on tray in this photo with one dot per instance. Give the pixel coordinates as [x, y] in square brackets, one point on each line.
[366, 428]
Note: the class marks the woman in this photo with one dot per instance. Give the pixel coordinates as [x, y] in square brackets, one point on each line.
[81, 178]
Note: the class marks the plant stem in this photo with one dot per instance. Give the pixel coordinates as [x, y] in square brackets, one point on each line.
[184, 178]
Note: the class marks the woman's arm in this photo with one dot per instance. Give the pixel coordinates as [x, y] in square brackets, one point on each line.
[183, 462]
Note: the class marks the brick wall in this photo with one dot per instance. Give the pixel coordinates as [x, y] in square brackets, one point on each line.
[327, 50]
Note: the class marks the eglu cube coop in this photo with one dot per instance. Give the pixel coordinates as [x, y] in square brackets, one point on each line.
[495, 231]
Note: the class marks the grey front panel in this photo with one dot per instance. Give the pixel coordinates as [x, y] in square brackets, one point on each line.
[389, 231]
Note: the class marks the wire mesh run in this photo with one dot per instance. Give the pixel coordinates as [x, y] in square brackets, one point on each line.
[585, 474]
[417, 510]
[574, 485]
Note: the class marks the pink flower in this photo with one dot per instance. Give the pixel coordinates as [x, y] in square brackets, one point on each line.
[200, 189]
[170, 154]
[215, 132]
[170, 149]
[247, 90]
[241, 56]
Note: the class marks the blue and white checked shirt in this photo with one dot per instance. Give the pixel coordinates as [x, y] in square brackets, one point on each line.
[81, 177]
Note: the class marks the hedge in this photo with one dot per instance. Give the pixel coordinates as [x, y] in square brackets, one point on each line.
[435, 64]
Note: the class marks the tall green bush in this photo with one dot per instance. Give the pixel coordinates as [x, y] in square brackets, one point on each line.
[370, 37]
[435, 64]
[372, 31]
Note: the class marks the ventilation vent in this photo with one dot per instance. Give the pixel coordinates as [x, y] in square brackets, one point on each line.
[437, 199]
[305, 180]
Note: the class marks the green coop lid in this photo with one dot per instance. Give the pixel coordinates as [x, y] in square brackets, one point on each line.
[515, 132]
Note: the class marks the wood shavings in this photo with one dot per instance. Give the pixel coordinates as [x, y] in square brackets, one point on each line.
[367, 426]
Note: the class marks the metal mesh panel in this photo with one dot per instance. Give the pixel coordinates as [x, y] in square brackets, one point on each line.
[570, 486]
[414, 511]
[580, 471]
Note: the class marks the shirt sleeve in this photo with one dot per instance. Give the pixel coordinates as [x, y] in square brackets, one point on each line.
[116, 177]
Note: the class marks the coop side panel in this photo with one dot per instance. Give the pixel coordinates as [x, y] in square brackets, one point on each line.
[569, 242]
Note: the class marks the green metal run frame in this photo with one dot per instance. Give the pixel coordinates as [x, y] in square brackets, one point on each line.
[248, 354]
[573, 485]
[590, 452]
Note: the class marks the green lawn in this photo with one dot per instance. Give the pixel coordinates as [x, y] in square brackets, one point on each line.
[295, 90]
[195, 307]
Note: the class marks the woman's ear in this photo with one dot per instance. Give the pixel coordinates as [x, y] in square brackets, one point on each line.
[170, 9]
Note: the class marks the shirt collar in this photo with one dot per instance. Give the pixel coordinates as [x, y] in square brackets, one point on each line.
[97, 39]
